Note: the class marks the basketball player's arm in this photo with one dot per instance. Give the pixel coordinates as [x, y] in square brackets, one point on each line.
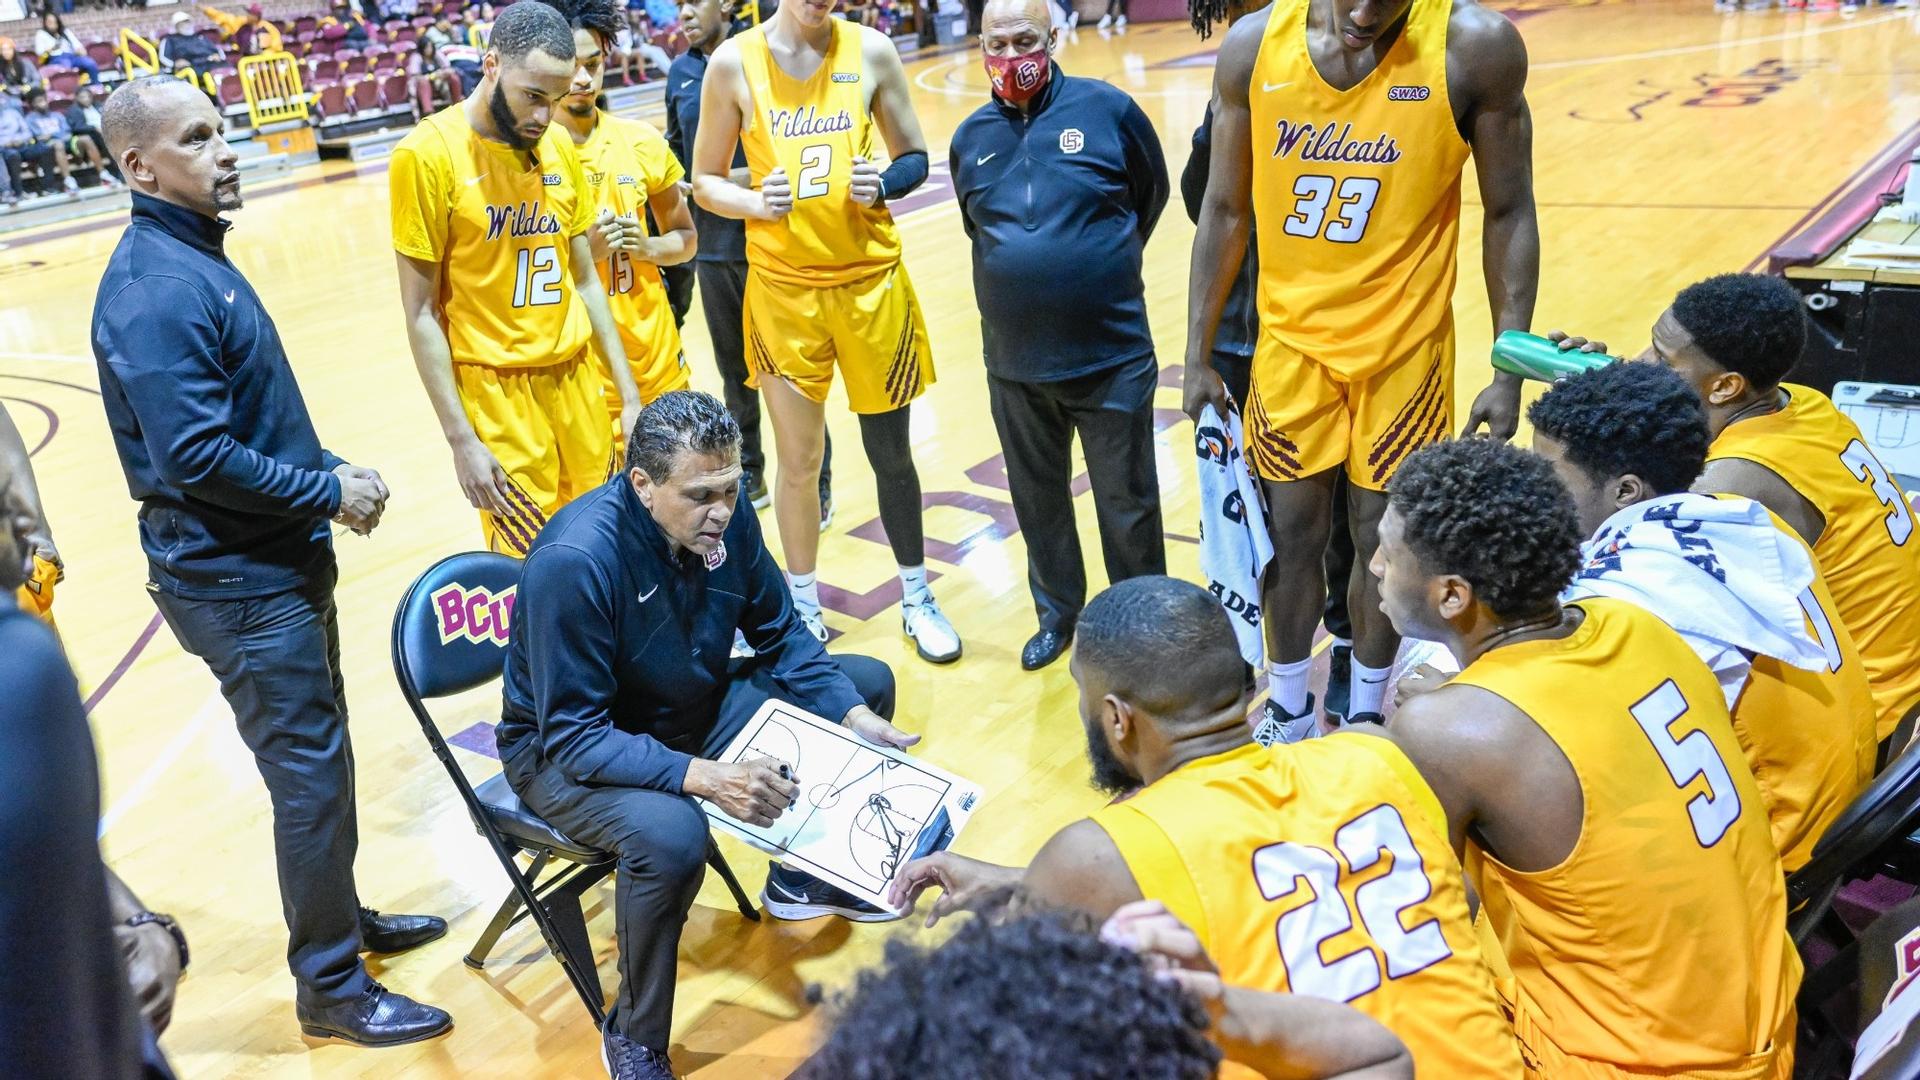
[1738, 476]
[16, 471]
[1080, 869]
[1493, 63]
[899, 124]
[1226, 213]
[606, 332]
[481, 478]
[722, 96]
[677, 241]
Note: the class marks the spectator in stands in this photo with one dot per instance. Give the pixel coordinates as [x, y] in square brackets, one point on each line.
[441, 33]
[250, 34]
[19, 148]
[435, 81]
[51, 127]
[482, 29]
[57, 45]
[401, 9]
[185, 50]
[83, 119]
[355, 24]
[17, 73]
[639, 42]
[9, 197]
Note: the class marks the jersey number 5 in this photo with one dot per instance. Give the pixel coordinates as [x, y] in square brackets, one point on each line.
[1866, 468]
[536, 277]
[1350, 219]
[1713, 811]
[1282, 869]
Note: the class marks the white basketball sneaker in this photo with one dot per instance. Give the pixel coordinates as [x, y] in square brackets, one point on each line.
[933, 636]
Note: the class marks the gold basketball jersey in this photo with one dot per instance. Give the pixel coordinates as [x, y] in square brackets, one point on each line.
[1867, 553]
[627, 162]
[1324, 868]
[1660, 943]
[814, 128]
[499, 221]
[1356, 194]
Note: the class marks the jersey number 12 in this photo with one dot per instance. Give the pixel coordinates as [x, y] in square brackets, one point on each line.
[536, 277]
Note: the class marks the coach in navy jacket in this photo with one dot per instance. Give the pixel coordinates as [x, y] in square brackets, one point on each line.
[1060, 185]
[235, 493]
[621, 689]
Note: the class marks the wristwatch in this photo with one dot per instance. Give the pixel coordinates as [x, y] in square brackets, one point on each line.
[172, 927]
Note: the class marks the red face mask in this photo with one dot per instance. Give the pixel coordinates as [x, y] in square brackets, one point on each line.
[1018, 78]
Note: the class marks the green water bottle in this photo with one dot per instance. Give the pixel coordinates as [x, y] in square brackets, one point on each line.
[1532, 357]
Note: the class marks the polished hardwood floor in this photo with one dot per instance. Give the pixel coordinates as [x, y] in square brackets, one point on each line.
[1670, 142]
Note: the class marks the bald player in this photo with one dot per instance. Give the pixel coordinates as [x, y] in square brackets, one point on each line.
[1341, 128]
[491, 211]
[1735, 337]
[811, 99]
[631, 171]
[35, 594]
[1321, 868]
[1628, 440]
[1593, 786]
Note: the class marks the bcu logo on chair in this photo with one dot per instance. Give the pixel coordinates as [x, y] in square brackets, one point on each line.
[477, 614]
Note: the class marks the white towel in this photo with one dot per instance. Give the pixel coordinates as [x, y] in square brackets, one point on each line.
[1234, 546]
[1718, 571]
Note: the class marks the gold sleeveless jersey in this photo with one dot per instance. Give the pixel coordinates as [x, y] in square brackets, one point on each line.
[1660, 943]
[1356, 194]
[814, 128]
[500, 222]
[1324, 868]
[627, 162]
[1868, 552]
[1809, 735]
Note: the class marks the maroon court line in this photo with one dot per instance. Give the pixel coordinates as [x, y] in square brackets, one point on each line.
[126, 662]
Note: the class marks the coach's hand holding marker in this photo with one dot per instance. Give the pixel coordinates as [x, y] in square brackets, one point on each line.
[363, 498]
[864, 187]
[776, 195]
[755, 791]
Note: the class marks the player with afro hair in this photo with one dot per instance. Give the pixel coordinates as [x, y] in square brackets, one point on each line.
[1638, 423]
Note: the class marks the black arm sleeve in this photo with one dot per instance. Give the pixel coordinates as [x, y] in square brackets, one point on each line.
[1193, 179]
[906, 172]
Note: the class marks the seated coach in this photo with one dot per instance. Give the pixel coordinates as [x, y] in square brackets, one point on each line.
[622, 688]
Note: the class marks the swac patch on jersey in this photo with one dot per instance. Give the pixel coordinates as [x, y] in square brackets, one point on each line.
[846, 76]
[551, 179]
[1408, 93]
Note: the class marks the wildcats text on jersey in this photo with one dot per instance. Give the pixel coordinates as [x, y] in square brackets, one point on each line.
[520, 219]
[801, 123]
[1332, 141]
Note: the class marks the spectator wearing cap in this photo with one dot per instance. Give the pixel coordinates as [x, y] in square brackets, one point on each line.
[18, 74]
[1066, 354]
[250, 34]
[20, 147]
[57, 45]
[185, 50]
[353, 23]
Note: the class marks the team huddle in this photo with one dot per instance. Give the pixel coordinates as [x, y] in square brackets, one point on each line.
[1645, 664]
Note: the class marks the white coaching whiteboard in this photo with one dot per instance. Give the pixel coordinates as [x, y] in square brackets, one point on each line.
[862, 810]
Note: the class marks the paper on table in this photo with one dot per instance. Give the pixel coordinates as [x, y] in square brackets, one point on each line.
[862, 810]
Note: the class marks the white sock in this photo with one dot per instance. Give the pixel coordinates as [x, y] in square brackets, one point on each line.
[806, 593]
[913, 585]
[1288, 685]
[1368, 691]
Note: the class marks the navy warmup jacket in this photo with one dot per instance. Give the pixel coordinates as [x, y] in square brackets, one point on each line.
[235, 491]
[620, 649]
[1059, 204]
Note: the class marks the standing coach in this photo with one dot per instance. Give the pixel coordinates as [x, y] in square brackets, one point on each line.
[1060, 182]
[235, 494]
[621, 690]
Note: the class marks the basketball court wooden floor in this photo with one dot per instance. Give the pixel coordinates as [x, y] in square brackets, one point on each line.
[1670, 142]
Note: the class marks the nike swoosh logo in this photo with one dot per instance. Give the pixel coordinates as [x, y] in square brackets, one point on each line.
[989, 157]
[230, 296]
[648, 595]
[477, 179]
[1371, 682]
[1270, 87]
[684, 83]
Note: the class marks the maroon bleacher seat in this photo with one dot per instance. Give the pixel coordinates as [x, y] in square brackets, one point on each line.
[104, 54]
[353, 66]
[327, 70]
[233, 94]
[61, 82]
[330, 103]
[406, 36]
[306, 24]
[364, 96]
[57, 104]
[333, 33]
[396, 92]
[306, 38]
[421, 22]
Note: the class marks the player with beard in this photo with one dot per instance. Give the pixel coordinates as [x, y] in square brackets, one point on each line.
[631, 170]
[491, 215]
[1272, 855]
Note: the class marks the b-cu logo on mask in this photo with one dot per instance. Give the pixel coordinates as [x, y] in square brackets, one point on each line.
[1026, 75]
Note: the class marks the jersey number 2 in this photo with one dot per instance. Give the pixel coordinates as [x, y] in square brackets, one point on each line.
[1713, 811]
[1350, 219]
[1866, 468]
[1282, 869]
[816, 162]
[536, 277]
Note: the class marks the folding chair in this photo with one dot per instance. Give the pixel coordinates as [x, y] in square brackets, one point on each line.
[449, 636]
[1873, 835]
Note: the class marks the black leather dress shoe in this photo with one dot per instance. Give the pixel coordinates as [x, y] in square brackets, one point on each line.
[378, 1017]
[398, 933]
[1044, 648]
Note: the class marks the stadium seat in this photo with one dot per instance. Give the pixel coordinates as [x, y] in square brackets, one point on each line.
[406, 35]
[61, 82]
[421, 22]
[306, 24]
[396, 93]
[327, 70]
[57, 104]
[330, 103]
[364, 97]
[233, 95]
[352, 64]
[440, 648]
[104, 54]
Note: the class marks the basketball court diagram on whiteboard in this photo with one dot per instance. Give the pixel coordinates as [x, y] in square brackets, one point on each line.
[862, 810]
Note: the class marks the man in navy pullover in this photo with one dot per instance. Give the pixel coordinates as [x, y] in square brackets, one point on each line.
[621, 689]
[1060, 182]
[235, 494]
